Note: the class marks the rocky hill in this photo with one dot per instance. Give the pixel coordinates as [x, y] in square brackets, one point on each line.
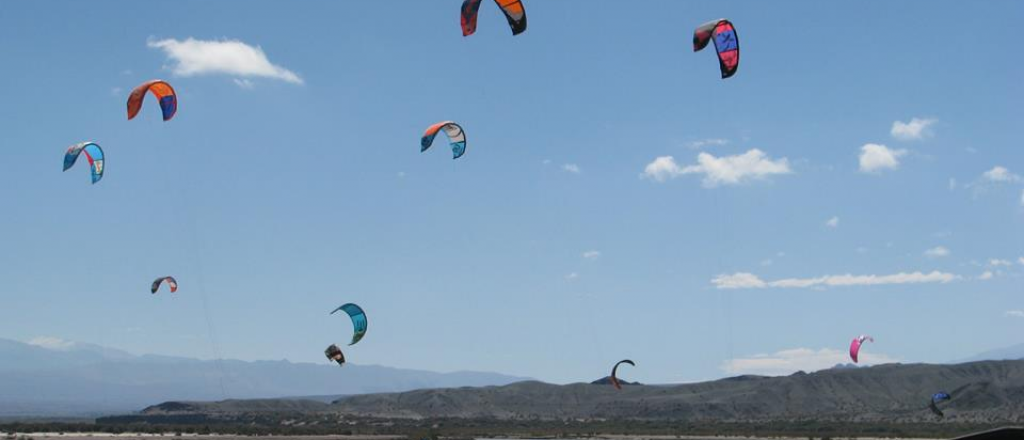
[983, 392]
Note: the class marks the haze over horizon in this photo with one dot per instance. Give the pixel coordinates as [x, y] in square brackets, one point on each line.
[861, 174]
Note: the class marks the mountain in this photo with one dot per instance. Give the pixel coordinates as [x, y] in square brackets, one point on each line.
[60, 378]
[1014, 352]
[983, 392]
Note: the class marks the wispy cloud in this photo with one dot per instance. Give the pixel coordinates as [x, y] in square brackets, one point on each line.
[592, 255]
[986, 275]
[937, 252]
[745, 280]
[996, 262]
[572, 276]
[874, 158]
[832, 222]
[1015, 313]
[917, 128]
[192, 57]
[571, 168]
[52, 343]
[724, 170]
[1000, 174]
[798, 359]
[710, 142]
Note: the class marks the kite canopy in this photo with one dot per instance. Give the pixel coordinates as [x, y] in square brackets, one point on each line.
[334, 353]
[727, 44]
[940, 396]
[92, 152]
[615, 369]
[171, 283]
[456, 137]
[358, 320]
[164, 94]
[855, 345]
[513, 9]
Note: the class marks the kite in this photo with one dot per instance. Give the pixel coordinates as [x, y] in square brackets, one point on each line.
[163, 92]
[934, 403]
[513, 10]
[855, 345]
[615, 379]
[456, 137]
[92, 152]
[171, 283]
[358, 320]
[334, 353]
[727, 44]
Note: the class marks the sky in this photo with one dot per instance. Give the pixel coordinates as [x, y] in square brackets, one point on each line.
[860, 174]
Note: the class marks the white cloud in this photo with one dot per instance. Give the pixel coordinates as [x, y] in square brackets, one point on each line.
[1015, 313]
[952, 183]
[193, 57]
[401, 174]
[662, 169]
[725, 170]
[572, 276]
[546, 162]
[592, 255]
[711, 142]
[744, 280]
[798, 359]
[937, 252]
[244, 83]
[1022, 197]
[572, 168]
[116, 91]
[767, 262]
[738, 280]
[996, 262]
[1000, 174]
[51, 343]
[832, 222]
[875, 158]
[1020, 260]
[917, 128]
[986, 275]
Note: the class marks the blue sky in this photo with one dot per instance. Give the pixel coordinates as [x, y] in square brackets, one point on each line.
[878, 139]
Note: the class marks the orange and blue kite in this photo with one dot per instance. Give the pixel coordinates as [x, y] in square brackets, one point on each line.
[513, 9]
[456, 137]
[163, 92]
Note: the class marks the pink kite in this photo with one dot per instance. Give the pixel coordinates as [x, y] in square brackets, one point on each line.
[855, 345]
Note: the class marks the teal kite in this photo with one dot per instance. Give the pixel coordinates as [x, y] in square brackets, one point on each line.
[358, 320]
[93, 153]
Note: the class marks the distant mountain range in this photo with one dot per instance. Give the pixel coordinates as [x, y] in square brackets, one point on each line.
[1014, 352]
[60, 378]
[989, 392]
[78, 379]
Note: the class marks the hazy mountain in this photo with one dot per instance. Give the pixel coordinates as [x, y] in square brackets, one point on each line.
[51, 377]
[1013, 352]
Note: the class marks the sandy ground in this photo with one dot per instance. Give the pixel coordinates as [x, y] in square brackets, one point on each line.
[102, 435]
